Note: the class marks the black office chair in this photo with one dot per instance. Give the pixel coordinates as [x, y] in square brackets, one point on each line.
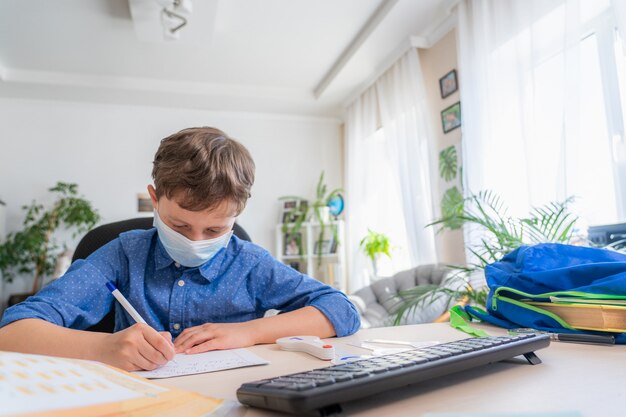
[101, 235]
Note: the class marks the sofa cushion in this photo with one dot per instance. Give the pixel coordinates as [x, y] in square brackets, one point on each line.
[378, 302]
[386, 293]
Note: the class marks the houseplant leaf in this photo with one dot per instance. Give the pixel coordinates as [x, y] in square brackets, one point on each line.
[448, 163]
[452, 208]
[501, 234]
[33, 249]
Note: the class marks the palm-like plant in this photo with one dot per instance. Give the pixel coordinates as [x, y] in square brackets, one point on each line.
[501, 234]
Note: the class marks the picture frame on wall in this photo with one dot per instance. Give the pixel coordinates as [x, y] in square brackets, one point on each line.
[451, 117]
[448, 84]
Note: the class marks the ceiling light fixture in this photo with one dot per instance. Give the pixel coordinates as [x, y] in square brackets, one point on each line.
[173, 21]
[174, 16]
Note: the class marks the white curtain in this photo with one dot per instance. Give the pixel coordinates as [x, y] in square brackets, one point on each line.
[402, 101]
[619, 8]
[535, 105]
[361, 122]
[388, 156]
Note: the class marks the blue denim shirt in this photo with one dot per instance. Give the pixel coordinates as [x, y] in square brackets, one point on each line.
[240, 283]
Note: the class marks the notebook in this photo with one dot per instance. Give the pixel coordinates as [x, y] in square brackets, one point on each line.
[198, 363]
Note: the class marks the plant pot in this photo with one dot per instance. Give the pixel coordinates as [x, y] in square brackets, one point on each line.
[324, 215]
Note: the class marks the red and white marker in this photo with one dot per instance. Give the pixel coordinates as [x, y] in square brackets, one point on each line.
[309, 344]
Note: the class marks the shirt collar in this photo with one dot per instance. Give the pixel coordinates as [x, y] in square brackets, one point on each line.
[212, 267]
[162, 259]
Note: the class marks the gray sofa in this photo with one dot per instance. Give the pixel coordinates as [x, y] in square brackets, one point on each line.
[378, 302]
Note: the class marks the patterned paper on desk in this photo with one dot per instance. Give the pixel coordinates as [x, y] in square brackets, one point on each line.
[71, 387]
[216, 360]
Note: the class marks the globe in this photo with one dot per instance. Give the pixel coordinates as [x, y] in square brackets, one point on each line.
[336, 205]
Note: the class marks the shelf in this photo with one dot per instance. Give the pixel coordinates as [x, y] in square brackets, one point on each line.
[292, 257]
[327, 267]
[326, 255]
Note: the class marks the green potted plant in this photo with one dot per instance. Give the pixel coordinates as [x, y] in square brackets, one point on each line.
[502, 234]
[317, 211]
[34, 250]
[374, 245]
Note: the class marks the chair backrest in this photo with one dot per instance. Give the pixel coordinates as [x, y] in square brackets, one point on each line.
[101, 235]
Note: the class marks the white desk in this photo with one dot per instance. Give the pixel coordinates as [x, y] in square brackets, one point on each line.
[586, 378]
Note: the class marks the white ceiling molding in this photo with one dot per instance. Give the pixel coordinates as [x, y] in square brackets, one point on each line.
[263, 108]
[354, 46]
[151, 85]
[433, 34]
[78, 87]
[441, 28]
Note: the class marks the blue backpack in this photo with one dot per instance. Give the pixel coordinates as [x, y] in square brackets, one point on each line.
[535, 273]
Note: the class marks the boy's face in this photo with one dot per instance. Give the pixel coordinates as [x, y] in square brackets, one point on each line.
[195, 225]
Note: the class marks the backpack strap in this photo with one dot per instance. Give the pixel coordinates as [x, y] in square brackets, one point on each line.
[459, 320]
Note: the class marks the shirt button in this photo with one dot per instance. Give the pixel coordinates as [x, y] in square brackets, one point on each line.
[181, 282]
[176, 326]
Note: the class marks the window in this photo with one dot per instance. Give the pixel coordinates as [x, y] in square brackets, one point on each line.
[555, 118]
[383, 207]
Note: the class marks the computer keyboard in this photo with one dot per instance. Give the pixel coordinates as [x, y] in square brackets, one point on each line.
[321, 391]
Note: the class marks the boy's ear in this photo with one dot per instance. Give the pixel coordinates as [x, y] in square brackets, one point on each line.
[153, 196]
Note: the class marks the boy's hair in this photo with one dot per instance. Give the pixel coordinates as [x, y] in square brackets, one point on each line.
[200, 167]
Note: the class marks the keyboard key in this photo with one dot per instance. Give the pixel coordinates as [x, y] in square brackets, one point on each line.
[340, 377]
[257, 383]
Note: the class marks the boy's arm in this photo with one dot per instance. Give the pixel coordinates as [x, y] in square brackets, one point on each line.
[137, 347]
[304, 321]
[212, 336]
[309, 308]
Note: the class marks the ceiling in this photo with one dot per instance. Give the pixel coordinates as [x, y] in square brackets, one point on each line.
[301, 57]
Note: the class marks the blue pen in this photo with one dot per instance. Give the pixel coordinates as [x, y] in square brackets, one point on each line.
[124, 302]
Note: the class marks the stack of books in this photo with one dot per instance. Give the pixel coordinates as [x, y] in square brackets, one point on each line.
[588, 314]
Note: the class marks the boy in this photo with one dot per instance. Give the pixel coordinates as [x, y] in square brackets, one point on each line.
[189, 278]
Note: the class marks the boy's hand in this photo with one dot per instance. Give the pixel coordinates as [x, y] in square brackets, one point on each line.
[138, 347]
[215, 336]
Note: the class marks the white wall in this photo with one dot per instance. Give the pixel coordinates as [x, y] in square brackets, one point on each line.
[437, 61]
[108, 149]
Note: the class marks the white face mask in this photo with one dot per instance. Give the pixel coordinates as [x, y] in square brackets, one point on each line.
[190, 253]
